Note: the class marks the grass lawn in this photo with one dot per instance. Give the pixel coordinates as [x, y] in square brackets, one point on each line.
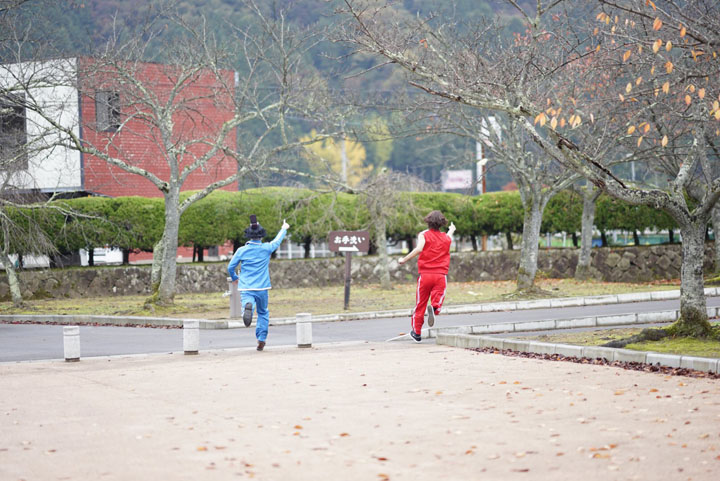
[321, 300]
[683, 346]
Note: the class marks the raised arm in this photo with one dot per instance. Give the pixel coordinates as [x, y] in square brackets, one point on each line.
[416, 251]
[451, 231]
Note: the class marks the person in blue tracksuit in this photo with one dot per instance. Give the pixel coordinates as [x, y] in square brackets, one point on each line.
[254, 278]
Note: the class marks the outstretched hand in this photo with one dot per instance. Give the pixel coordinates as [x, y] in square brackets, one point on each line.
[451, 229]
[285, 225]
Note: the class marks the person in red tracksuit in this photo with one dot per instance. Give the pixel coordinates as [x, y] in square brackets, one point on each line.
[433, 247]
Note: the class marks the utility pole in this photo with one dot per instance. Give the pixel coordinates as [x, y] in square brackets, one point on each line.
[343, 152]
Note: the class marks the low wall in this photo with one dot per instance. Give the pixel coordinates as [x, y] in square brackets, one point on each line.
[627, 264]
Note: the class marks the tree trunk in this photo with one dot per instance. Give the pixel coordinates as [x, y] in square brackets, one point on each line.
[603, 238]
[529, 247]
[715, 218]
[384, 264]
[693, 308]
[91, 256]
[636, 237]
[156, 270]
[13, 281]
[574, 238]
[508, 238]
[582, 271]
[200, 253]
[307, 243]
[473, 240]
[126, 257]
[671, 238]
[166, 289]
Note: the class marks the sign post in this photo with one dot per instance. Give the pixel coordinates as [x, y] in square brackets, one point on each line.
[348, 242]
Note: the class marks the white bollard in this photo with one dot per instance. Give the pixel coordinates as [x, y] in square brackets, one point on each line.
[191, 337]
[303, 328]
[71, 343]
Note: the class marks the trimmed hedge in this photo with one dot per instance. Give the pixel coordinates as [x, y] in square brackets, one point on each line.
[136, 223]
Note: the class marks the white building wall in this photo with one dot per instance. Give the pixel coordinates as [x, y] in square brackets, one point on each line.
[52, 87]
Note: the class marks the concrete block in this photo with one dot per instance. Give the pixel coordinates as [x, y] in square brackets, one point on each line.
[633, 297]
[706, 364]
[535, 304]
[191, 336]
[535, 326]
[598, 352]
[71, 343]
[575, 323]
[446, 339]
[712, 312]
[671, 360]
[515, 345]
[490, 342]
[619, 320]
[541, 347]
[569, 350]
[665, 295]
[459, 340]
[567, 302]
[595, 300]
[493, 328]
[499, 306]
[659, 316]
[628, 355]
[711, 291]
[303, 329]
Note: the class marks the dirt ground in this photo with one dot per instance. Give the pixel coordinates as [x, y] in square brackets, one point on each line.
[385, 411]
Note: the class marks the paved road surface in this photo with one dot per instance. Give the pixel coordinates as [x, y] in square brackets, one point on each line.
[21, 342]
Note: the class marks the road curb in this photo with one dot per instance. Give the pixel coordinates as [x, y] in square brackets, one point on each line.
[472, 341]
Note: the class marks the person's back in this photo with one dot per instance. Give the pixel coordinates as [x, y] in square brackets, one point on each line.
[435, 256]
[433, 247]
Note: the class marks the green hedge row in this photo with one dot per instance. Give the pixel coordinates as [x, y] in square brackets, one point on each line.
[136, 223]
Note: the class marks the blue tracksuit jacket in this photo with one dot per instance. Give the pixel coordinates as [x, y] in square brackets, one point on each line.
[255, 258]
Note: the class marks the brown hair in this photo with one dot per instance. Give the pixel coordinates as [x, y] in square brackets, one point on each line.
[435, 220]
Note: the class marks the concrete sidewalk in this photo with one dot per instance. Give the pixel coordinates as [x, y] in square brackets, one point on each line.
[370, 411]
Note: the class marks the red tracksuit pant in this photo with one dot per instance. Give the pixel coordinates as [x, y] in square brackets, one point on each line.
[429, 286]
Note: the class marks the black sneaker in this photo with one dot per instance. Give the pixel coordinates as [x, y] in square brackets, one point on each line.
[431, 315]
[247, 314]
[261, 345]
[416, 337]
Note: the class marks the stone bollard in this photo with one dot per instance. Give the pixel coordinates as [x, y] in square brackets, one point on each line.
[235, 300]
[71, 343]
[191, 336]
[303, 328]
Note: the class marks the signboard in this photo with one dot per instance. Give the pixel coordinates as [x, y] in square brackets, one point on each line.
[349, 241]
[457, 179]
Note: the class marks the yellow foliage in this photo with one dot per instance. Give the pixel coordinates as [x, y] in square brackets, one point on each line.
[326, 154]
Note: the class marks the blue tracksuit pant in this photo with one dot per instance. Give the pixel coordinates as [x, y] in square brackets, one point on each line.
[259, 301]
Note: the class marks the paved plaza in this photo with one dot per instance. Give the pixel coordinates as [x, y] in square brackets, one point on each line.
[353, 411]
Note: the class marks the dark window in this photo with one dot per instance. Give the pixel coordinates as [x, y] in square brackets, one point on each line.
[13, 133]
[107, 111]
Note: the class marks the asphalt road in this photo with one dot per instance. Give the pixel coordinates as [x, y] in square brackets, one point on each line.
[24, 342]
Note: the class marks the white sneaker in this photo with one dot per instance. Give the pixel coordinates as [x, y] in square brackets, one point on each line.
[431, 315]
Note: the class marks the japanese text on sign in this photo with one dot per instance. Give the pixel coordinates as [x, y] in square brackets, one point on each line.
[349, 241]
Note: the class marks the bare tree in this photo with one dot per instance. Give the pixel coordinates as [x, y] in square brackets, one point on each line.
[645, 75]
[165, 104]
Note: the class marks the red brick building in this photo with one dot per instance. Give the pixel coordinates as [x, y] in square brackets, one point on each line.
[147, 115]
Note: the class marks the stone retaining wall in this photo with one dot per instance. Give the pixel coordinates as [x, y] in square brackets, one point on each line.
[627, 264]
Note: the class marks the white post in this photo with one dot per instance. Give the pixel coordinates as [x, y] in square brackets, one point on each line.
[235, 300]
[71, 343]
[303, 328]
[191, 336]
